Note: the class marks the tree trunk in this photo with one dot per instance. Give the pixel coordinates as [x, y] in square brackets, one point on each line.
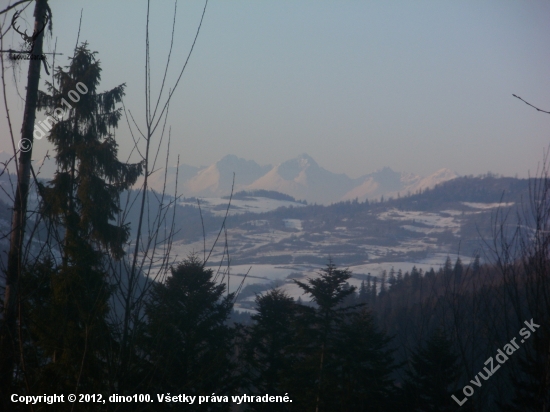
[8, 326]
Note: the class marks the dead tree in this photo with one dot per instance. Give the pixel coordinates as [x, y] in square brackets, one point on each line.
[8, 349]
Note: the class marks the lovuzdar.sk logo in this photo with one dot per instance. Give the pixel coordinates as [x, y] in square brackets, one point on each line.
[28, 54]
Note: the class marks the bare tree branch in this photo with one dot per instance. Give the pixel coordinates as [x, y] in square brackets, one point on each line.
[7, 109]
[14, 5]
[529, 104]
[182, 69]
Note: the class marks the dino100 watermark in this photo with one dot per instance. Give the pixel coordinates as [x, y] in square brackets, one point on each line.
[44, 126]
[501, 357]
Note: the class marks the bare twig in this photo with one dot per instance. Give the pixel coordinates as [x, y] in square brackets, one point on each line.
[78, 35]
[14, 5]
[7, 108]
[203, 234]
[224, 220]
[529, 104]
[183, 68]
[238, 291]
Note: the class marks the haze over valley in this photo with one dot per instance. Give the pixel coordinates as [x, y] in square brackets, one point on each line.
[285, 221]
[300, 177]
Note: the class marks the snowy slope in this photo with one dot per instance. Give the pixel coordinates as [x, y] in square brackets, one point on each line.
[300, 177]
[388, 183]
[217, 179]
[218, 206]
[303, 178]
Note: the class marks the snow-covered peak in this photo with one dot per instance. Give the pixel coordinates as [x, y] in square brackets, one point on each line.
[440, 176]
[291, 169]
[300, 177]
[385, 182]
[217, 179]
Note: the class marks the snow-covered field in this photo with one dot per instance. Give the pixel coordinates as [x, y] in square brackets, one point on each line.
[218, 205]
[434, 220]
[486, 206]
[279, 247]
[351, 243]
[278, 275]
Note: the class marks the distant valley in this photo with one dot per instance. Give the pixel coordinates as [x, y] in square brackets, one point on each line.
[286, 221]
[282, 240]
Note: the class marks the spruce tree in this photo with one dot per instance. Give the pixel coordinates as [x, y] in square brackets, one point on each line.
[415, 278]
[374, 289]
[327, 291]
[458, 271]
[530, 385]
[362, 379]
[73, 337]
[268, 350]
[432, 376]
[448, 269]
[399, 278]
[85, 190]
[363, 293]
[391, 278]
[188, 340]
[383, 282]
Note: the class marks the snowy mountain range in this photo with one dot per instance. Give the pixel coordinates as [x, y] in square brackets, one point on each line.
[301, 178]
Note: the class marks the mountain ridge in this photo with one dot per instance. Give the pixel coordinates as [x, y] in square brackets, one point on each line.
[300, 177]
[304, 179]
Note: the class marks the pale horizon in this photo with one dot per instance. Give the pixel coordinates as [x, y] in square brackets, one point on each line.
[416, 87]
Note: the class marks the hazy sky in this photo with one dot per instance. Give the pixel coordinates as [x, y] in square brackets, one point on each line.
[358, 85]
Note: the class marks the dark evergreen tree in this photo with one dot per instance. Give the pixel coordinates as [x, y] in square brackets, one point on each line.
[268, 351]
[458, 271]
[84, 192]
[531, 383]
[399, 278]
[188, 340]
[363, 293]
[369, 288]
[406, 278]
[432, 377]
[391, 278]
[374, 289]
[415, 278]
[70, 338]
[352, 299]
[448, 268]
[362, 379]
[327, 291]
[383, 282]
[430, 275]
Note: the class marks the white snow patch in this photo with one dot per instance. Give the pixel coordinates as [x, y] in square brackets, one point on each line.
[425, 230]
[426, 218]
[218, 205]
[293, 223]
[487, 205]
